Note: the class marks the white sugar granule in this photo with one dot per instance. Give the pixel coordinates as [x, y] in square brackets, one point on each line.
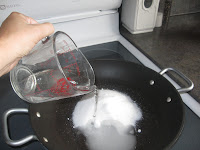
[112, 128]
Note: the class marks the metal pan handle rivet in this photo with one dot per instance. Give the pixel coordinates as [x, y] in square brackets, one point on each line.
[45, 139]
[38, 114]
[152, 82]
[169, 99]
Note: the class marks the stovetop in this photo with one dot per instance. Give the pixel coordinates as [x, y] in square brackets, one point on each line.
[20, 125]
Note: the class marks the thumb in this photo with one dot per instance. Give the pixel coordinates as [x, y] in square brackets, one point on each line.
[43, 30]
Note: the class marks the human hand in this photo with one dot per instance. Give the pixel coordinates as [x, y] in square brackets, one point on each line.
[18, 35]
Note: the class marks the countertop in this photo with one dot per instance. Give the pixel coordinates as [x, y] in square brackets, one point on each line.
[176, 45]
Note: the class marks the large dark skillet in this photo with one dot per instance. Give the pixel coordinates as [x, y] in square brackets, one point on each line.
[160, 102]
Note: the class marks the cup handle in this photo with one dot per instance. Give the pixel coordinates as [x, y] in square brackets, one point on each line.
[8, 140]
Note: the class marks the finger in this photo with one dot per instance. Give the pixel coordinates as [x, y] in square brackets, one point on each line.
[45, 29]
[31, 20]
[27, 19]
[8, 67]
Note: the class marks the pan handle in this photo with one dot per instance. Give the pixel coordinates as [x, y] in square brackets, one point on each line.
[8, 140]
[180, 90]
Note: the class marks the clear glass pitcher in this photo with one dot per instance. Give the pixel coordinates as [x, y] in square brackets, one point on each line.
[53, 70]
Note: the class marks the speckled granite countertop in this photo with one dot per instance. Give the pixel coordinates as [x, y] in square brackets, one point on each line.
[176, 46]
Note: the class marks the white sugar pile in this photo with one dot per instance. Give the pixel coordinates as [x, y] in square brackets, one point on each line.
[112, 128]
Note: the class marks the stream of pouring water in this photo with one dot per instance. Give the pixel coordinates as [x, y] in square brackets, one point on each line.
[96, 101]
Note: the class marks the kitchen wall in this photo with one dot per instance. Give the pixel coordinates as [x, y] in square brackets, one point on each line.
[172, 8]
[180, 7]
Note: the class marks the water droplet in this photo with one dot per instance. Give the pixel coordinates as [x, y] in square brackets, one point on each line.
[131, 132]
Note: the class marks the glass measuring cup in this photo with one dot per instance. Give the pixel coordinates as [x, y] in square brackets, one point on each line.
[54, 69]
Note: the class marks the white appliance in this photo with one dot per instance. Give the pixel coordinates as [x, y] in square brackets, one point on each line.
[139, 16]
[88, 22]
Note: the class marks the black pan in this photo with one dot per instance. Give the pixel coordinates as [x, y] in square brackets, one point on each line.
[159, 101]
[161, 106]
